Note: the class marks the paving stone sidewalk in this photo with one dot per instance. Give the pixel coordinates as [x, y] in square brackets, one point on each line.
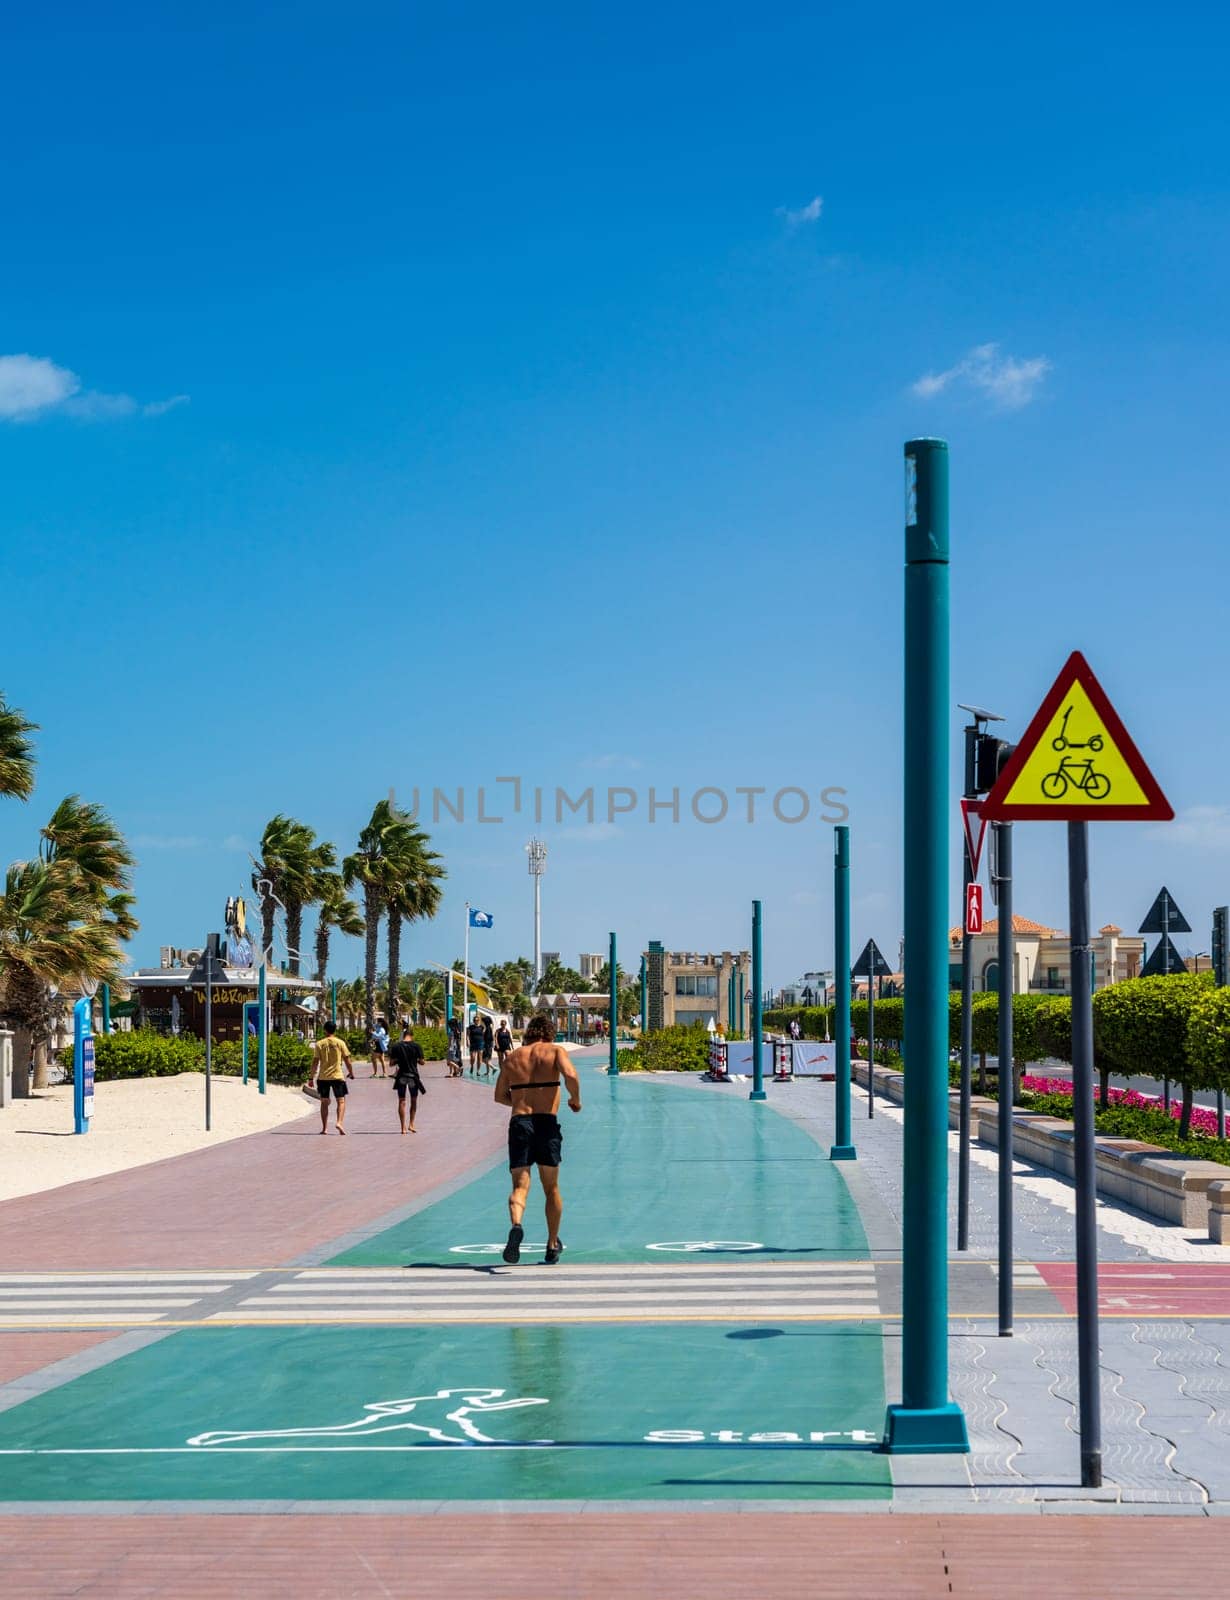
[1166, 1382]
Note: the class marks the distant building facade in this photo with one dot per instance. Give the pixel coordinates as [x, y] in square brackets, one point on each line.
[1042, 957]
[589, 966]
[685, 986]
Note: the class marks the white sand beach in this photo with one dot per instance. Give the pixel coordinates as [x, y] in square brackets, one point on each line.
[136, 1120]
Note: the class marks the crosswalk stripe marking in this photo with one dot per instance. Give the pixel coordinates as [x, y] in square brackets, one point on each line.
[560, 1285]
[537, 1312]
[213, 1280]
[94, 1305]
[562, 1302]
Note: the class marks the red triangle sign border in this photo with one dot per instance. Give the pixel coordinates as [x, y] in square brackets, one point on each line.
[996, 808]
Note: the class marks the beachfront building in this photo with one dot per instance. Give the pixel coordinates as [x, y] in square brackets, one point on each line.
[684, 986]
[589, 966]
[1042, 957]
[171, 997]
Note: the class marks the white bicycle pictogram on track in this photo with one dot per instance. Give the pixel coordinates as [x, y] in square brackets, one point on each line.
[693, 1247]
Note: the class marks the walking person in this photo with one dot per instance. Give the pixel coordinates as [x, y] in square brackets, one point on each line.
[454, 1048]
[503, 1042]
[474, 1038]
[488, 1044]
[329, 1057]
[529, 1085]
[380, 1049]
[407, 1060]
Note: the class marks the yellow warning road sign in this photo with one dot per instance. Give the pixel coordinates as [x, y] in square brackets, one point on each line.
[1076, 762]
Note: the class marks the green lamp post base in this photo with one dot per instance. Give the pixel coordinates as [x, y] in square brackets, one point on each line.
[939, 1430]
[843, 1152]
[758, 1094]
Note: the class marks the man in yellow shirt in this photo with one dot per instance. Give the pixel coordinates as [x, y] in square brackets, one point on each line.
[329, 1056]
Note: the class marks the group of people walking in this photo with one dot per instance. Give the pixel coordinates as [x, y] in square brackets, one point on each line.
[332, 1065]
[483, 1040]
[529, 1084]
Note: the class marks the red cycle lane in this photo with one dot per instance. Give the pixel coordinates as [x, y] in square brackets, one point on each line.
[1148, 1288]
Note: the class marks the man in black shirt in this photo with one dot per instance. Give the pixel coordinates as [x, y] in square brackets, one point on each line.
[488, 1043]
[407, 1059]
[474, 1038]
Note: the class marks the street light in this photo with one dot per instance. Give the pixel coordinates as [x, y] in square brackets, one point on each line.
[537, 854]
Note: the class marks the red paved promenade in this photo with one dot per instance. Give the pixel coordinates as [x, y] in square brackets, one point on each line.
[262, 1200]
[610, 1555]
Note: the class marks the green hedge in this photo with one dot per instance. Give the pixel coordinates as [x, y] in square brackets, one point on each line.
[145, 1054]
[677, 1049]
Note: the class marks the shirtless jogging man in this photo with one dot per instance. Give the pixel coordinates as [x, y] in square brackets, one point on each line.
[529, 1084]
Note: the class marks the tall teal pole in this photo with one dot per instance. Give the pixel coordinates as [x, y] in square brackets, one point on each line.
[613, 1029]
[644, 997]
[262, 1032]
[106, 1007]
[843, 1146]
[333, 1001]
[926, 1421]
[757, 1008]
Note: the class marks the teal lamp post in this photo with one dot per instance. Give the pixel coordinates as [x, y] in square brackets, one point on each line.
[926, 1421]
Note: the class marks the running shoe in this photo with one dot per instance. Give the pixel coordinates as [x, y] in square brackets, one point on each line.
[512, 1250]
[554, 1252]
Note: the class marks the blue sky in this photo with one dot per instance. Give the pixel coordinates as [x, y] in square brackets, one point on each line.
[424, 396]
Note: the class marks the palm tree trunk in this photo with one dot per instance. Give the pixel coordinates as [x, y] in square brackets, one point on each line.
[42, 1065]
[394, 939]
[371, 906]
[294, 933]
[322, 952]
[268, 912]
[23, 1048]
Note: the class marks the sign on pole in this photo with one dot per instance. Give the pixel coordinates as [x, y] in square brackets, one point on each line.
[1164, 916]
[975, 825]
[973, 908]
[871, 963]
[1076, 762]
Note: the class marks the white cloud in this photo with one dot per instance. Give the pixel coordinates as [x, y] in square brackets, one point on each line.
[33, 386]
[796, 218]
[1204, 827]
[30, 384]
[613, 762]
[167, 841]
[1009, 383]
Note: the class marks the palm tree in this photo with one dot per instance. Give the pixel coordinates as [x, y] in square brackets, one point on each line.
[51, 932]
[81, 842]
[365, 867]
[413, 874]
[335, 911]
[16, 752]
[311, 863]
[281, 845]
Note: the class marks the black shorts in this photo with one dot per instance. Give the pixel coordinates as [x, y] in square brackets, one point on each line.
[402, 1084]
[338, 1086]
[535, 1141]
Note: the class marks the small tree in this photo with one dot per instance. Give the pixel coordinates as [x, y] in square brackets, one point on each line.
[1142, 1025]
[1208, 1040]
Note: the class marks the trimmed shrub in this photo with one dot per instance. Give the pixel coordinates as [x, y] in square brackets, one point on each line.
[1208, 1040]
[1142, 1025]
[676, 1049]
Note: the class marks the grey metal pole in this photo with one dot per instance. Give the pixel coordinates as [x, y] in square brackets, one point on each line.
[1007, 976]
[1166, 972]
[209, 1029]
[871, 1043]
[1086, 1155]
[967, 1061]
[613, 1024]
[757, 1090]
[964, 1114]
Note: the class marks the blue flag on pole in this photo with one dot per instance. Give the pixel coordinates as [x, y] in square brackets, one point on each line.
[481, 919]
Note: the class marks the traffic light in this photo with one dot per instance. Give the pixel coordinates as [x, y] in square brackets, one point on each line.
[990, 759]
